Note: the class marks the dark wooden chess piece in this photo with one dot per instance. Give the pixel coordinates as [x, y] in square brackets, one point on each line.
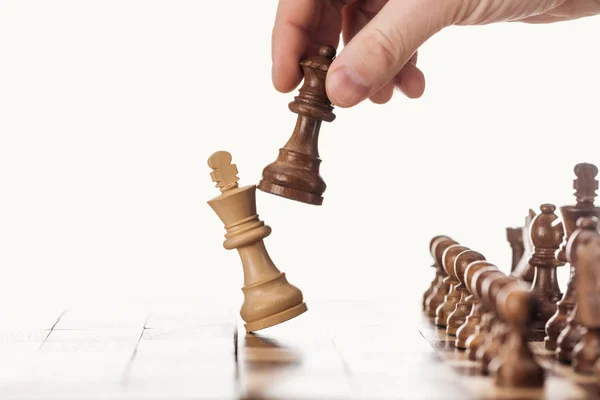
[514, 236]
[573, 331]
[453, 296]
[441, 290]
[473, 319]
[295, 174]
[585, 254]
[482, 331]
[438, 275]
[524, 270]
[547, 235]
[515, 366]
[490, 348]
[585, 186]
[463, 307]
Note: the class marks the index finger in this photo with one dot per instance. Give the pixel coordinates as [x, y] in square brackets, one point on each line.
[295, 24]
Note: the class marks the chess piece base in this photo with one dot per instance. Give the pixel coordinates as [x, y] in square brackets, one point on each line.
[289, 193]
[276, 318]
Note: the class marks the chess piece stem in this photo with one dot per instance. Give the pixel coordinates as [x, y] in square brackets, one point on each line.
[269, 299]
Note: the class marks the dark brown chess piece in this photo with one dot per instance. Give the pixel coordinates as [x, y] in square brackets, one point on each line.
[438, 276]
[515, 366]
[524, 270]
[585, 254]
[573, 331]
[490, 348]
[295, 173]
[585, 186]
[514, 236]
[472, 320]
[482, 331]
[441, 290]
[452, 298]
[546, 234]
[463, 307]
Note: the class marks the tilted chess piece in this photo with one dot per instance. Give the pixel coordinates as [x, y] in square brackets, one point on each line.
[452, 298]
[463, 307]
[524, 270]
[438, 275]
[473, 319]
[441, 290]
[269, 299]
[586, 257]
[515, 366]
[546, 234]
[295, 173]
[585, 186]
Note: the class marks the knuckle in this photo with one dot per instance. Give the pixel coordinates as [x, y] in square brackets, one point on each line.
[383, 49]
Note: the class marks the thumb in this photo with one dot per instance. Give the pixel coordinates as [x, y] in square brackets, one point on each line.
[380, 50]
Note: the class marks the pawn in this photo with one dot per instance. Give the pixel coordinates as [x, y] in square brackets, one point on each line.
[463, 307]
[482, 331]
[472, 320]
[269, 299]
[441, 290]
[438, 276]
[515, 366]
[452, 298]
[490, 288]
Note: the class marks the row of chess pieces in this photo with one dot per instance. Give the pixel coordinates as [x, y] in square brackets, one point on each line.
[493, 316]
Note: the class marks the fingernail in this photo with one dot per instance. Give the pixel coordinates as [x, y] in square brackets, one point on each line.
[346, 87]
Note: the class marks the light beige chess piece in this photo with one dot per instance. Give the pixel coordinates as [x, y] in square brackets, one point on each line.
[269, 299]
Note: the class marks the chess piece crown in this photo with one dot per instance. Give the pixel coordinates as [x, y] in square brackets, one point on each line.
[295, 173]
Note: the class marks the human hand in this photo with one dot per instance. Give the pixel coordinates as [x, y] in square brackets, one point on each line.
[382, 38]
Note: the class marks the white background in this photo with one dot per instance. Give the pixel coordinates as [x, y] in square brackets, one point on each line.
[110, 109]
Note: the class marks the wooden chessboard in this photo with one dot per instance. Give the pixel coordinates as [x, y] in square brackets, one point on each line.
[337, 350]
[561, 381]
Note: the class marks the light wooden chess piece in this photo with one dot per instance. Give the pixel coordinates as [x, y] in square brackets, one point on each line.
[269, 299]
[515, 366]
[441, 290]
[586, 257]
[452, 298]
[473, 319]
[438, 275]
[295, 174]
[463, 307]
[585, 186]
